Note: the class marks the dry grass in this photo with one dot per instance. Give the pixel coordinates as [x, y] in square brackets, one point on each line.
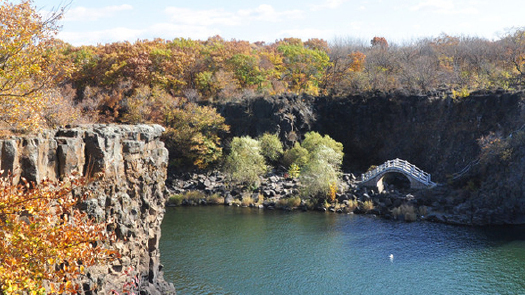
[352, 204]
[291, 202]
[247, 201]
[368, 205]
[215, 199]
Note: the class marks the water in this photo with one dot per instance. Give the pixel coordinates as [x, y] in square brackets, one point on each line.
[226, 250]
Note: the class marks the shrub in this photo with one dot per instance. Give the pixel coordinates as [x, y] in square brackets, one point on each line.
[194, 196]
[332, 192]
[245, 164]
[291, 202]
[271, 147]
[407, 211]
[175, 200]
[260, 199]
[368, 205]
[215, 199]
[310, 203]
[423, 210]
[294, 201]
[313, 141]
[296, 155]
[247, 201]
[294, 171]
[320, 173]
[352, 204]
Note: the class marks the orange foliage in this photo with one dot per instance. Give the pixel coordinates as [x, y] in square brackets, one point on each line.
[379, 42]
[357, 61]
[333, 192]
[46, 242]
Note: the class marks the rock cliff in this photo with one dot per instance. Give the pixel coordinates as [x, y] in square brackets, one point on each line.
[129, 164]
[435, 131]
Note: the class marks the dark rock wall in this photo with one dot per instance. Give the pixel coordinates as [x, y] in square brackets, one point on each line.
[130, 165]
[435, 132]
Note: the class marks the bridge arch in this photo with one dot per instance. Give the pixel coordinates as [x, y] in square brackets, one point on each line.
[395, 179]
[418, 178]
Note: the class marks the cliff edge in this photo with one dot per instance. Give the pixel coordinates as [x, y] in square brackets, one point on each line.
[129, 168]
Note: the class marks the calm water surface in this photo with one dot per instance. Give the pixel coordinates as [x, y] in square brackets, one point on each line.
[226, 250]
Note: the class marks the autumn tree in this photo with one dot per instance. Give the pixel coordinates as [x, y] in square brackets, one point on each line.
[303, 68]
[338, 78]
[46, 242]
[25, 70]
[514, 44]
[246, 70]
[379, 42]
[193, 135]
[357, 61]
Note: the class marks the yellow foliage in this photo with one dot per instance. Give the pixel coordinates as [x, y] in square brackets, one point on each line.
[332, 192]
[192, 134]
[27, 64]
[45, 238]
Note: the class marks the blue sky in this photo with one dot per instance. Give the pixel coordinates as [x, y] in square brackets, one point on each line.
[95, 21]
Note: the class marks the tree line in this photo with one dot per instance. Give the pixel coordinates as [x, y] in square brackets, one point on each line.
[218, 69]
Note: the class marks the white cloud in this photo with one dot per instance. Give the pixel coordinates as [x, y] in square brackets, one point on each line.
[266, 12]
[104, 36]
[327, 4]
[186, 16]
[444, 7]
[91, 14]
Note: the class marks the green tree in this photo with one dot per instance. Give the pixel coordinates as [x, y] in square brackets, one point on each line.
[246, 70]
[303, 68]
[245, 163]
[297, 155]
[313, 140]
[320, 175]
[271, 147]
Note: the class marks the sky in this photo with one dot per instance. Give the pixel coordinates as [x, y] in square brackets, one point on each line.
[91, 22]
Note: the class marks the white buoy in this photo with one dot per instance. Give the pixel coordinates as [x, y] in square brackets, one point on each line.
[391, 257]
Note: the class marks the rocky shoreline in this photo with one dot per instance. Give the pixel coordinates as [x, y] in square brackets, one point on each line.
[279, 192]
[440, 204]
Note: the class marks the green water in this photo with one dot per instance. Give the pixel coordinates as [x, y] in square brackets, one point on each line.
[226, 250]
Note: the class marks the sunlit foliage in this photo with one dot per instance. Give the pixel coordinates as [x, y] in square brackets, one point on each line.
[192, 135]
[245, 163]
[46, 242]
[29, 63]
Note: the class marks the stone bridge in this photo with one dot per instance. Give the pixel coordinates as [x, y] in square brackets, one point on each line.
[418, 178]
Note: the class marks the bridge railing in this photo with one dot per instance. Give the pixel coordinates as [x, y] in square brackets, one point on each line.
[402, 166]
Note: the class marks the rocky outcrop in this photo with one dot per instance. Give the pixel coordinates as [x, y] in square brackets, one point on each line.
[434, 131]
[128, 167]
